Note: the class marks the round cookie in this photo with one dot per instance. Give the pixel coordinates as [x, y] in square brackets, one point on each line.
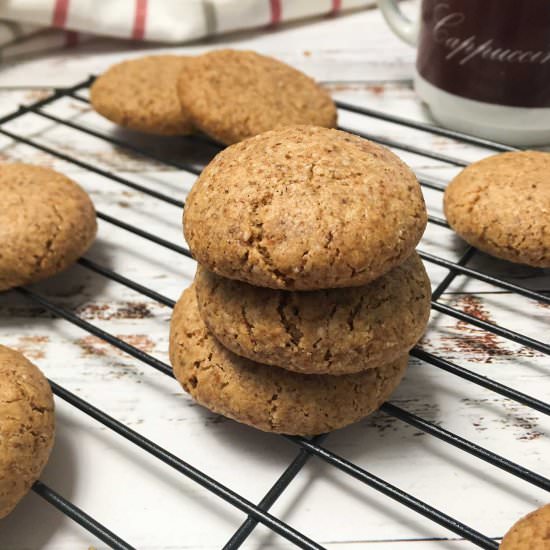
[26, 427]
[501, 205]
[46, 223]
[304, 208]
[531, 532]
[269, 398]
[335, 331]
[232, 95]
[141, 94]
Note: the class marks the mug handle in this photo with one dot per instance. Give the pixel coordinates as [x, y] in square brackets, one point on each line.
[401, 25]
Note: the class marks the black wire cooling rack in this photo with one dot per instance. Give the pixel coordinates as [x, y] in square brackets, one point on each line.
[306, 448]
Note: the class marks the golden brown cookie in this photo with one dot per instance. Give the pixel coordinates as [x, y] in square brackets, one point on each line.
[232, 95]
[335, 331]
[26, 427]
[531, 532]
[141, 94]
[501, 205]
[304, 208]
[270, 398]
[46, 223]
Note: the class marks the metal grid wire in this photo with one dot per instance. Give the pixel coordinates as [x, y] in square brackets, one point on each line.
[258, 513]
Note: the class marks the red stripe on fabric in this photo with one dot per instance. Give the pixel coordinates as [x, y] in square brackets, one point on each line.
[71, 38]
[276, 11]
[336, 6]
[60, 11]
[140, 16]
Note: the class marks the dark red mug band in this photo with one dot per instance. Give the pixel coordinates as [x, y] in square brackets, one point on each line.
[493, 51]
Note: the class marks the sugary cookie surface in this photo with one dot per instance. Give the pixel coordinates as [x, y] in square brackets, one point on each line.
[304, 208]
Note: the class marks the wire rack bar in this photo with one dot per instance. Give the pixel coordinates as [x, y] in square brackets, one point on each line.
[465, 445]
[462, 270]
[124, 181]
[449, 278]
[96, 331]
[423, 180]
[506, 333]
[398, 495]
[275, 491]
[495, 329]
[81, 517]
[436, 130]
[539, 346]
[191, 169]
[407, 147]
[384, 487]
[144, 234]
[480, 380]
[272, 495]
[443, 364]
[57, 94]
[438, 221]
[430, 183]
[91, 168]
[381, 485]
[490, 327]
[186, 469]
[115, 141]
[426, 182]
[418, 352]
[110, 274]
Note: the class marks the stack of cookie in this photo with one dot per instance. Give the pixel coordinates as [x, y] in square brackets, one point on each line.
[309, 294]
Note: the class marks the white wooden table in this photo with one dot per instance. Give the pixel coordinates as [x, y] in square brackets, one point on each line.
[153, 507]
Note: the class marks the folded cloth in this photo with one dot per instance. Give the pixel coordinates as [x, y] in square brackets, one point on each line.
[168, 21]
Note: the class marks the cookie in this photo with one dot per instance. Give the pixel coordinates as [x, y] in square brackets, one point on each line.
[531, 532]
[270, 398]
[501, 205]
[232, 95]
[26, 427]
[304, 208]
[46, 223]
[141, 94]
[333, 331]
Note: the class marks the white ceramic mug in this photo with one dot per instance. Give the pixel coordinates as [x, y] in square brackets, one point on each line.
[483, 66]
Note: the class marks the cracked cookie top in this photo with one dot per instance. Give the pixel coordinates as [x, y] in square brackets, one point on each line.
[501, 205]
[333, 331]
[304, 208]
[46, 223]
[26, 426]
[232, 95]
[266, 397]
[141, 94]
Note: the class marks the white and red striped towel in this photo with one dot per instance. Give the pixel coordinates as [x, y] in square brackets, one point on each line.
[34, 25]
